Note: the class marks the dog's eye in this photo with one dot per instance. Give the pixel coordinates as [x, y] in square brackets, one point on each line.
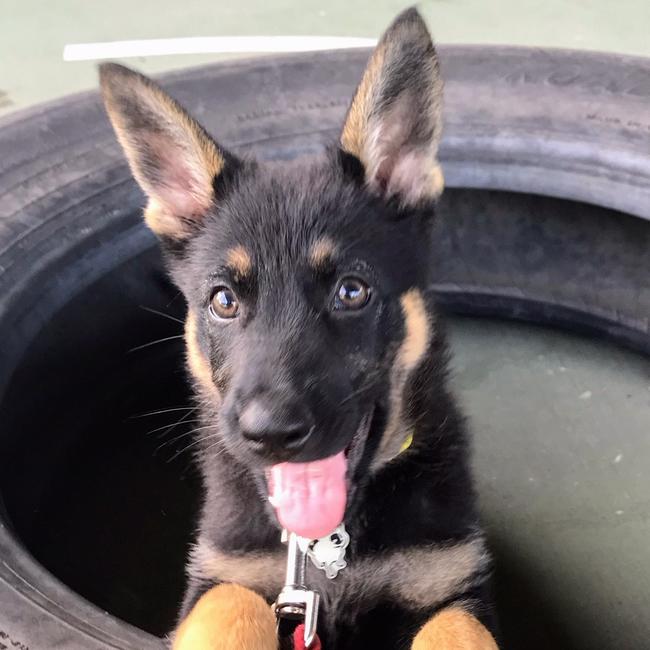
[351, 293]
[223, 303]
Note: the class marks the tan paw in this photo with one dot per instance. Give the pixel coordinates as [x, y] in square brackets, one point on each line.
[228, 617]
[453, 629]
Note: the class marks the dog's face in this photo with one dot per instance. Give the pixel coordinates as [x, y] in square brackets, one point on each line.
[305, 286]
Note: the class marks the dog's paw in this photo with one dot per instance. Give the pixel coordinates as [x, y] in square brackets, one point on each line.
[453, 629]
[228, 617]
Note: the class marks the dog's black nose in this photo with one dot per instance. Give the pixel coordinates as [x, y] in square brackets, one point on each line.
[276, 430]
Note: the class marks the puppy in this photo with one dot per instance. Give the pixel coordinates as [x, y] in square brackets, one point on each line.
[319, 364]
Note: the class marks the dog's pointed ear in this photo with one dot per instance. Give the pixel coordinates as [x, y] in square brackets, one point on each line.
[174, 160]
[393, 125]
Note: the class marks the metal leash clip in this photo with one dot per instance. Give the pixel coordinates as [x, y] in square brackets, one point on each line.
[296, 602]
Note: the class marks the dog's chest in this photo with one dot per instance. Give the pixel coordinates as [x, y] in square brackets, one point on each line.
[336, 593]
[348, 602]
[356, 588]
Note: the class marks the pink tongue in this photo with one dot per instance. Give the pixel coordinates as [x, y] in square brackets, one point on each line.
[309, 498]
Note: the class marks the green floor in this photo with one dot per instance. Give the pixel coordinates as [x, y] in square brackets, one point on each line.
[34, 32]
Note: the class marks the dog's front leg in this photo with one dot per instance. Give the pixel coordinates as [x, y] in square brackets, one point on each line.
[453, 629]
[227, 617]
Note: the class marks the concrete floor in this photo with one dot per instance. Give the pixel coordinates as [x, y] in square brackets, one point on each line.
[561, 430]
[34, 32]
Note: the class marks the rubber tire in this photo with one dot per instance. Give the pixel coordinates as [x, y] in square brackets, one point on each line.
[521, 124]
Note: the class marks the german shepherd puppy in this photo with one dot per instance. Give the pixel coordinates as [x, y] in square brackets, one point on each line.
[319, 364]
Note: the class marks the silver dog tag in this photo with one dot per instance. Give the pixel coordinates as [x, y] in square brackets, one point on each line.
[328, 553]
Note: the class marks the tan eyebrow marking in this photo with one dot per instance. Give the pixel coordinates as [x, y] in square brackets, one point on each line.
[240, 261]
[321, 252]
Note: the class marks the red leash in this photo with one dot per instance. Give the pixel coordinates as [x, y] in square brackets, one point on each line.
[299, 644]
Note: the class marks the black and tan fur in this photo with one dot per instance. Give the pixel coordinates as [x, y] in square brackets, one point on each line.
[281, 239]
